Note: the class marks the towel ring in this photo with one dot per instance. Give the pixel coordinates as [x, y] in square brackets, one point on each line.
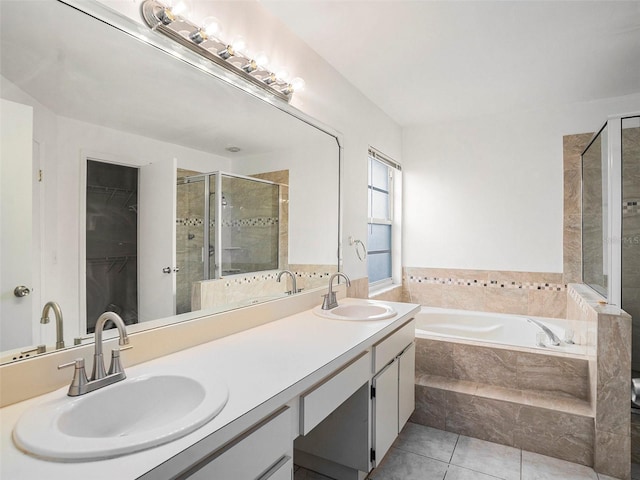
[358, 243]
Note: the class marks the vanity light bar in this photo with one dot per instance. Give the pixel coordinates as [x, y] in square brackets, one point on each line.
[161, 18]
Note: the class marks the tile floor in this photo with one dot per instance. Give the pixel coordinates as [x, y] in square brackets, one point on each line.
[425, 453]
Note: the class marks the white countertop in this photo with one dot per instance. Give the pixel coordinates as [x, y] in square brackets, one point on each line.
[264, 368]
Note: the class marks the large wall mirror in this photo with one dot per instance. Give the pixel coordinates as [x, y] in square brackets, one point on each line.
[135, 180]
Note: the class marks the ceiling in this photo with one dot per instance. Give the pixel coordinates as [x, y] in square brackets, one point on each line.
[434, 61]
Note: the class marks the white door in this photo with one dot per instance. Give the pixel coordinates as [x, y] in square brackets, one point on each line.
[406, 385]
[16, 137]
[156, 240]
[385, 410]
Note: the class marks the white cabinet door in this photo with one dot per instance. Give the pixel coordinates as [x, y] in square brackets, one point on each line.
[385, 410]
[406, 385]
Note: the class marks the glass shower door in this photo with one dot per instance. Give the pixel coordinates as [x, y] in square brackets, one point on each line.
[249, 231]
[190, 233]
[595, 214]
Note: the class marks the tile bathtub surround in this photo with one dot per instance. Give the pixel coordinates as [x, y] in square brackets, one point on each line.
[610, 371]
[524, 293]
[527, 400]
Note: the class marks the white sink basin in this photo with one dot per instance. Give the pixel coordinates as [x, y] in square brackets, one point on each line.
[365, 310]
[125, 417]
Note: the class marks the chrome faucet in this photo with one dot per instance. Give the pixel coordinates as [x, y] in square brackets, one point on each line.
[99, 378]
[330, 301]
[44, 318]
[553, 338]
[294, 289]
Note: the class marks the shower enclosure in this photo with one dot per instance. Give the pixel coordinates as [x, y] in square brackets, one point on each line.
[611, 218]
[226, 224]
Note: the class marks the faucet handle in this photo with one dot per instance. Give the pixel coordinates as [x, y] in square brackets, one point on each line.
[116, 365]
[79, 381]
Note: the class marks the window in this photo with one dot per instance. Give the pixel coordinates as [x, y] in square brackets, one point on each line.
[382, 234]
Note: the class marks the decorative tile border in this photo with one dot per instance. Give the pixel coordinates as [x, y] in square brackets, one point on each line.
[243, 222]
[265, 277]
[489, 284]
[631, 207]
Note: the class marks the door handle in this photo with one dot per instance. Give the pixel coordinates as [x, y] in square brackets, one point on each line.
[21, 291]
[166, 270]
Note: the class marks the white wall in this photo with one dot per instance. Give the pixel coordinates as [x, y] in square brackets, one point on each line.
[487, 193]
[327, 97]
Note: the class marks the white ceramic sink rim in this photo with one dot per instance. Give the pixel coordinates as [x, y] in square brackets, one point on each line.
[97, 426]
[365, 310]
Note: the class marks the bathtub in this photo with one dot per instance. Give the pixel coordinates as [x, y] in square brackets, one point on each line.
[493, 328]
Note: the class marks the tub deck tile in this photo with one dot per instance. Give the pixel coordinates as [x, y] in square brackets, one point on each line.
[492, 366]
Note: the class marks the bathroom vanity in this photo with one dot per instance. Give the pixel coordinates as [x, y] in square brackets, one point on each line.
[336, 392]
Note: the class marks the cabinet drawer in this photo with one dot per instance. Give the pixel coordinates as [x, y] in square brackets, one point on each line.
[256, 454]
[283, 470]
[318, 403]
[389, 347]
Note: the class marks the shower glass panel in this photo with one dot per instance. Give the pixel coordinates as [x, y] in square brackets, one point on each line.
[227, 225]
[249, 229]
[595, 214]
[189, 239]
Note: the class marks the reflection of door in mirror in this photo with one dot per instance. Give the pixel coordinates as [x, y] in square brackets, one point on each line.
[111, 242]
[16, 127]
[130, 265]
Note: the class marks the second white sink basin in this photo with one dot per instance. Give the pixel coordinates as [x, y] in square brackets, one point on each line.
[364, 310]
[125, 417]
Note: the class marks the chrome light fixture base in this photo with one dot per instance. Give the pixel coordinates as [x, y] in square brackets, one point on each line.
[160, 18]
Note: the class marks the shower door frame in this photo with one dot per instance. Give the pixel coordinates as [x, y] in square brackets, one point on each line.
[613, 245]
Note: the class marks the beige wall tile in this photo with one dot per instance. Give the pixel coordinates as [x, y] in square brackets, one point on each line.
[553, 375]
[557, 434]
[612, 453]
[431, 407]
[547, 303]
[434, 357]
[507, 300]
[492, 366]
[463, 297]
[482, 418]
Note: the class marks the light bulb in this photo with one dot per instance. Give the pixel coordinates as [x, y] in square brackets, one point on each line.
[239, 44]
[211, 26]
[297, 84]
[262, 60]
[179, 8]
[283, 75]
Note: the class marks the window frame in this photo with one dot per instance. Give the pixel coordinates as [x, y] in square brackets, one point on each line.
[393, 168]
